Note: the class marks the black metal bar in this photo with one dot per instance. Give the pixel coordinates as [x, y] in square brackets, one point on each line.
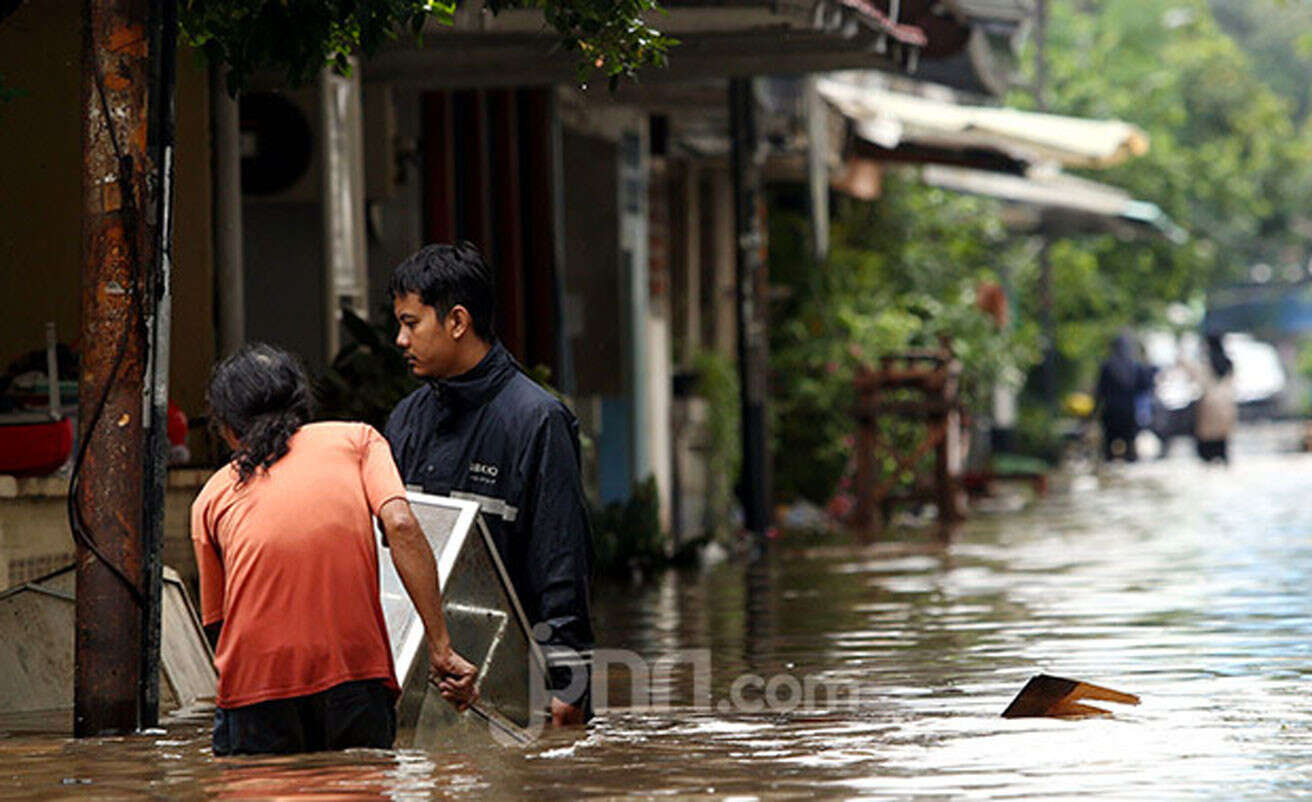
[750, 318]
[161, 137]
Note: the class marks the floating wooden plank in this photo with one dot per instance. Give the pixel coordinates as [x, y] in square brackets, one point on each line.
[1055, 697]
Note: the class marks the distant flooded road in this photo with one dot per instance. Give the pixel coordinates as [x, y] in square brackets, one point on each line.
[1189, 586]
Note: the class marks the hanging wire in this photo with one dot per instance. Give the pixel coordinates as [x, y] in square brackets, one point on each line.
[77, 523]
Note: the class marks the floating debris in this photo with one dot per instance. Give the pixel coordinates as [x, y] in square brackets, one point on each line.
[1054, 697]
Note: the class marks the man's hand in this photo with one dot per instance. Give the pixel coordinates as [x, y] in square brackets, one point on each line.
[454, 676]
[564, 714]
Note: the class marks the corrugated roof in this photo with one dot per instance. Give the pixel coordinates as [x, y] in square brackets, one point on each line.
[888, 118]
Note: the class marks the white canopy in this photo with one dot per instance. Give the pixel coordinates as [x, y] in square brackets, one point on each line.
[1066, 195]
[890, 118]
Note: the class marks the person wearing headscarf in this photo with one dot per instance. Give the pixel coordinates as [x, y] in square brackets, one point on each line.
[1121, 380]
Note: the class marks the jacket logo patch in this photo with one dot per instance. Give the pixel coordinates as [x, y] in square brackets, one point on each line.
[483, 472]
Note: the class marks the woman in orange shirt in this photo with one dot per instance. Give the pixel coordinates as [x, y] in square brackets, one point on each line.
[284, 541]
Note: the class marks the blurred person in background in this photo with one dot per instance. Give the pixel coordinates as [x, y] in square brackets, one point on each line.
[1217, 409]
[1122, 382]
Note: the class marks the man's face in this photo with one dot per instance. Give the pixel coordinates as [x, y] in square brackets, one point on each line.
[429, 347]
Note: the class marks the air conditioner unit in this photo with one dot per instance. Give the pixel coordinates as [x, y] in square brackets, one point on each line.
[281, 146]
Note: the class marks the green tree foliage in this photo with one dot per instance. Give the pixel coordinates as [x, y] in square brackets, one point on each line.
[626, 535]
[1227, 161]
[1277, 35]
[902, 273]
[610, 36]
[298, 37]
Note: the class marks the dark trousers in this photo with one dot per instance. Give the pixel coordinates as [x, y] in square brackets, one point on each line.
[361, 713]
[1209, 450]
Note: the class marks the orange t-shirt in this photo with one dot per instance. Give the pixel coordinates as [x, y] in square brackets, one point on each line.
[288, 564]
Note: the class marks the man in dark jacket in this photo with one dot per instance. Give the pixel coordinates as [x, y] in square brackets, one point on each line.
[480, 429]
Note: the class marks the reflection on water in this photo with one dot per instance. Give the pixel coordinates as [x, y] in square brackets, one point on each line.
[1184, 585]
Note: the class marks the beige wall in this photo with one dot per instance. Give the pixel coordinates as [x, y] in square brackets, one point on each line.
[34, 538]
[40, 160]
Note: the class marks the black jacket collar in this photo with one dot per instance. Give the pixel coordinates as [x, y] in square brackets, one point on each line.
[477, 385]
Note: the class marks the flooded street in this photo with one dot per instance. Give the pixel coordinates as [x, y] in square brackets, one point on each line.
[1190, 587]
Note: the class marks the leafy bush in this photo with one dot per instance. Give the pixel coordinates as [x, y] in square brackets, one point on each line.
[1039, 433]
[626, 535]
[901, 274]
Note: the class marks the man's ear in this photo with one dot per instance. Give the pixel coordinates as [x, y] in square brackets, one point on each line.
[459, 322]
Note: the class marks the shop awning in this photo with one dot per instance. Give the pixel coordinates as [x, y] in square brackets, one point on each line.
[892, 119]
[1059, 202]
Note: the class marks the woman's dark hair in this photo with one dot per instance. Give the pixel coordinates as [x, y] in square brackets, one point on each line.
[444, 276]
[262, 394]
[1221, 364]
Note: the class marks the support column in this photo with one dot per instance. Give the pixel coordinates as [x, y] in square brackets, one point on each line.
[817, 170]
[346, 272]
[633, 171]
[691, 268]
[752, 345]
[659, 365]
[115, 507]
[229, 276]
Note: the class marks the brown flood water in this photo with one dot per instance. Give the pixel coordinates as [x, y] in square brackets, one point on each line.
[1191, 587]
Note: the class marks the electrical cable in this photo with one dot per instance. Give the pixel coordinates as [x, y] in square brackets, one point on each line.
[81, 533]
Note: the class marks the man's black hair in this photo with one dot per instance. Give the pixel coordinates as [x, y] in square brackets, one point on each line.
[444, 276]
[263, 395]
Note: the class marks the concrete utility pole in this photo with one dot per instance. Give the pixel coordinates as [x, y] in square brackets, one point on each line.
[116, 493]
[753, 348]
